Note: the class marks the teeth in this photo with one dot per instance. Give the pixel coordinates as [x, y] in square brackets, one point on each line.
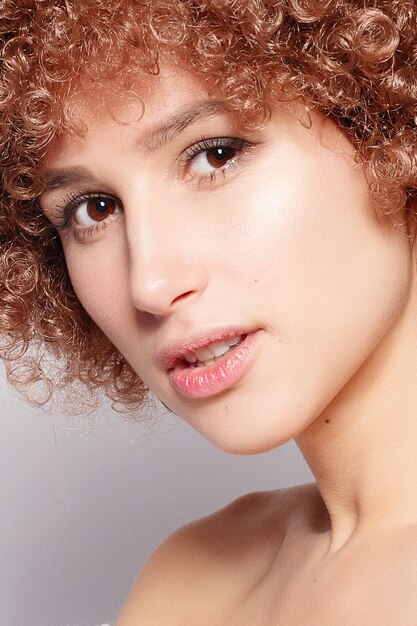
[190, 357]
[203, 354]
[208, 355]
[219, 348]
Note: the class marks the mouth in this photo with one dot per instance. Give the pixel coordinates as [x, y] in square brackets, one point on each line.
[215, 367]
[209, 354]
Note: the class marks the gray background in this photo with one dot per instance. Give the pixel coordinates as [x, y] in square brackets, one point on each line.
[85, 502]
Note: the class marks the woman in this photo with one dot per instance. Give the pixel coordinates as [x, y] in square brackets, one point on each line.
[233, 188]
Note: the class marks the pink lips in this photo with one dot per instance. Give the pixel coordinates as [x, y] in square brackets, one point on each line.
[200, 382]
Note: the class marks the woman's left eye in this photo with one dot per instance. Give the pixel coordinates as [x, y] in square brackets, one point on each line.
[209, 156]
[211, 159]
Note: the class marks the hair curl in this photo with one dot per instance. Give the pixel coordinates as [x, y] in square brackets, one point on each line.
[354, 61]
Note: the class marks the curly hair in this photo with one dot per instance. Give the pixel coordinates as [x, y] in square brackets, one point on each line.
[353, 61]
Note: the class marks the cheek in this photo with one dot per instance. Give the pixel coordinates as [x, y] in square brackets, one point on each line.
[100, 277]
[331, 278]
[100, 283]
[312, 242]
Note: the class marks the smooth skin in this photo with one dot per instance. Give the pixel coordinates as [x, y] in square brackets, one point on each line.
[279, 235]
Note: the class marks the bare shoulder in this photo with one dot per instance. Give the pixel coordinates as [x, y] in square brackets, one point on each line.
[211, 561]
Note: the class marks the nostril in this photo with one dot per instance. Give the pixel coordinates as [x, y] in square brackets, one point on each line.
[182, 296]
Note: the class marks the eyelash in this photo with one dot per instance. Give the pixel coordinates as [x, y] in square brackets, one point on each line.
[70, 204]
[73, 201]
[205, 145]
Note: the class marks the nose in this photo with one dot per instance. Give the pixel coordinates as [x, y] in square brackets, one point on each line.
[165, 268]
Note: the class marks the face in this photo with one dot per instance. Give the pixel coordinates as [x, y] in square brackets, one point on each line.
[185, 237]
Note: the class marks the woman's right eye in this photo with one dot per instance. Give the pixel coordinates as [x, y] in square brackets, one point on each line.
[87, 214]
[94, 209]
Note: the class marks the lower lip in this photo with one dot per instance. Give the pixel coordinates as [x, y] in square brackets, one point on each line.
[201, 382]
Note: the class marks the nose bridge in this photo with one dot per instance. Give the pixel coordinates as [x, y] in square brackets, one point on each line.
[164, 271]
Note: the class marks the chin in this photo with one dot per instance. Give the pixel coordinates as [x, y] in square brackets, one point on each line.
[253, 419]
[248, 436]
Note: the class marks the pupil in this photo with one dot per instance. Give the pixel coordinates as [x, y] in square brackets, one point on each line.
[224, 153]
[101, 206]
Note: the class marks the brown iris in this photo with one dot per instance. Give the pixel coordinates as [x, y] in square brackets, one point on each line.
[219, 156]
[98, 209]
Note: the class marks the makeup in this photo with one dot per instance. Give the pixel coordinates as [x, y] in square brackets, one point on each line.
[201, 381]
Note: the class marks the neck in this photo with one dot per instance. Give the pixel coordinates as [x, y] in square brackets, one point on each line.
[362, 449]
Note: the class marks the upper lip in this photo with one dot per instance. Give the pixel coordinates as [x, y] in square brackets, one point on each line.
[168, 356]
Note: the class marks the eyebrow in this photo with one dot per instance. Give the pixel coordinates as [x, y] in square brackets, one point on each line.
[178, 122]
[67, 178]
[153, 140]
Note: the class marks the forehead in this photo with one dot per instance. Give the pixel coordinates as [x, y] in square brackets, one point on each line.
[168, 101]
[153, 96]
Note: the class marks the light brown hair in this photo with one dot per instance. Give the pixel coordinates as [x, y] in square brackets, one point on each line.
[353, 61]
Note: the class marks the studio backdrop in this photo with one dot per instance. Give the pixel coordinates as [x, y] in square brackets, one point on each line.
[86, 501]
